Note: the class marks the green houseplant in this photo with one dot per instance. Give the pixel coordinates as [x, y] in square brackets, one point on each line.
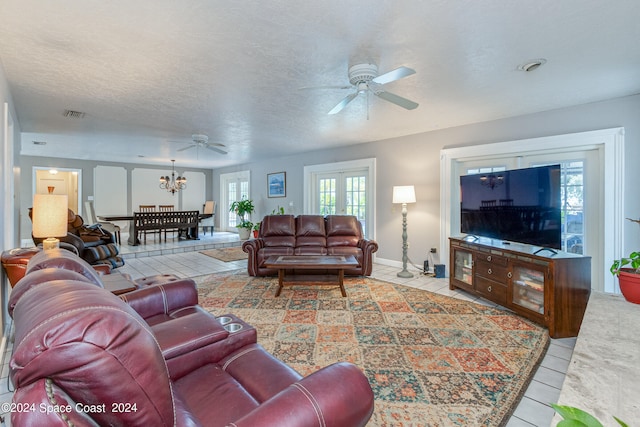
[256, 229]
[628, 278]
[243, 208]
[574, 417]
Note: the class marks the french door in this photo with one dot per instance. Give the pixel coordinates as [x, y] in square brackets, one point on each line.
[342, 189]
[233, 187]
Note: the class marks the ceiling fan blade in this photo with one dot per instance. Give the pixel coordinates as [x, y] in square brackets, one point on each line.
[216, 149]
[186, 148]
[393, 75]
[398, 100]
[325, 87]
[347, 99]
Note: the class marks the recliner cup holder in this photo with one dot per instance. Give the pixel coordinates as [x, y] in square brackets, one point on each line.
[233, 327]
[224, 320]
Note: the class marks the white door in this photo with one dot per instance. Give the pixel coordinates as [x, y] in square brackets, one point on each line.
[342, 188]
[342, 193]
[234, 186]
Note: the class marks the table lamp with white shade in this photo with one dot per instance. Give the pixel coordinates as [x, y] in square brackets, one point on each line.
[404, 194]
[50, 218]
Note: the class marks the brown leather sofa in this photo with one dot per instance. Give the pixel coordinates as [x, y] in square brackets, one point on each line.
[82, 356]
[309, 235]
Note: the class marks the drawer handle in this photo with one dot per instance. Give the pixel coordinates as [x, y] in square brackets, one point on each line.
[489, 271]
[509, 275]
[489, 289]
[488, 257]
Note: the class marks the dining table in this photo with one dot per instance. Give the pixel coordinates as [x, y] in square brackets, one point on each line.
[133, 239]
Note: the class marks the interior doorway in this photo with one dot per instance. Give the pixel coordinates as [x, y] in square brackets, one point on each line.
[61, 181]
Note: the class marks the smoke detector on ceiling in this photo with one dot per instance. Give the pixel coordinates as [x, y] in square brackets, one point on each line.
[532, 65]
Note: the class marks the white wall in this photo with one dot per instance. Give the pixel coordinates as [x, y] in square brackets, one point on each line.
[101, 181]
[9, 195]
[415, 160]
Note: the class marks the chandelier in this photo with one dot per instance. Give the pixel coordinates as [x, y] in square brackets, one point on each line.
[174, 184]
[491, 180]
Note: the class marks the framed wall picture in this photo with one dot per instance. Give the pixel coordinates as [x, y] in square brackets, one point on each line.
[277, 184]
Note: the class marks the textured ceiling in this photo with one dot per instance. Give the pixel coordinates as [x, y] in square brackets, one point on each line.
[148, 73]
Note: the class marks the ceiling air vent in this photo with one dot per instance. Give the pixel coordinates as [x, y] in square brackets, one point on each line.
[73, 114]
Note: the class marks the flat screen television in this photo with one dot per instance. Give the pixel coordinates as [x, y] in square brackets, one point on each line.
[519, 205]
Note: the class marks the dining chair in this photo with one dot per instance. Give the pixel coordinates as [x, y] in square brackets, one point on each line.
[208, 208]
[168, 208]
[149, 208]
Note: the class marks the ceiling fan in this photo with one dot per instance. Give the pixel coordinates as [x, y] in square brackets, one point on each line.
[202, 141]
[364, 79]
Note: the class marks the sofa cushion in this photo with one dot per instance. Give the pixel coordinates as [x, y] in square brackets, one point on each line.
[343, 230]
[219, 399]
[310, 231]
[47, 276]
[62, 259]
[278, 230]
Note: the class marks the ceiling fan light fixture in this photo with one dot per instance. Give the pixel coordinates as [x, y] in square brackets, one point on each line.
[200, 138]
[532, 65]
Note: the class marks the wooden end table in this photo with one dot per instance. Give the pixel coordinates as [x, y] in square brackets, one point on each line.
[311, 262]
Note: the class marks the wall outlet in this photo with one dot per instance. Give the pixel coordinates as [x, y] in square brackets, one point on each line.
[433, 250]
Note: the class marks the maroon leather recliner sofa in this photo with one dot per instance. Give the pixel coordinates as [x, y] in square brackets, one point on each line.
[309, 235]
[85, 356]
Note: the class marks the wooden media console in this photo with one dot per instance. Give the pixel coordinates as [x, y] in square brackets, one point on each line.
[551, 289]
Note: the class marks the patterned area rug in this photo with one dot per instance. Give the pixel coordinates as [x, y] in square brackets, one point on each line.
[226, 254]
[431, 360]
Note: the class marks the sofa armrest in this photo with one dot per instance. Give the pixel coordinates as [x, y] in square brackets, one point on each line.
[335, 396]
[368, 248]
[36, 401]
[162, 299]
[252, 247]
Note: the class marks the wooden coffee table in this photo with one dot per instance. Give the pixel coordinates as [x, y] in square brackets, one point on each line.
[311, 262]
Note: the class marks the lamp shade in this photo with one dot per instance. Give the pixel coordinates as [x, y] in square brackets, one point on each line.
[50, 215]
[404, 194]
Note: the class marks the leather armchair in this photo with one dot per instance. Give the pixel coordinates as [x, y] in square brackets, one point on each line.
[92, 244]
[82, 349]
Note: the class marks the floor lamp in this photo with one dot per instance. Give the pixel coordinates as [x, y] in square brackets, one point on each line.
[404, 194]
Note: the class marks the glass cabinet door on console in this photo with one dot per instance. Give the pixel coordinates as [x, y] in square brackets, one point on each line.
[463, 266]
[528, 287]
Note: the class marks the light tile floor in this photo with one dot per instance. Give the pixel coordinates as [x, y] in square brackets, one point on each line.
[183, 259]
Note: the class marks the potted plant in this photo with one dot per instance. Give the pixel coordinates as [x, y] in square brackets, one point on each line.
[256, 229]
[574, 417]
[243, 208]
[278, 211]
[628, 278]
